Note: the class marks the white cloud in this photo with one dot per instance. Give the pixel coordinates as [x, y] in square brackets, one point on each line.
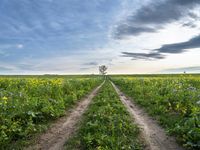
[19, 46]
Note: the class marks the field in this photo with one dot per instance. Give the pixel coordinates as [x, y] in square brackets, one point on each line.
[172, 100]
[29, 104]
[106, 125]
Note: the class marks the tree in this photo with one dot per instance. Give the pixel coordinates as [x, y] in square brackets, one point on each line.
[102, 70]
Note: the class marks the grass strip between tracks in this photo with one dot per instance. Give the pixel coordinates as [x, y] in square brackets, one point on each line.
[106, 125]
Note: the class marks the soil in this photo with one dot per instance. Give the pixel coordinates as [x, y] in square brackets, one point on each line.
[154, 136]
[60, 131]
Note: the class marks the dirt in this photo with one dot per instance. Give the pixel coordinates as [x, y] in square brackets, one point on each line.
[60, 131]
[154, 136]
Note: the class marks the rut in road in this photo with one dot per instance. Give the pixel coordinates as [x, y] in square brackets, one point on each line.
[59, 133]
[154, 136]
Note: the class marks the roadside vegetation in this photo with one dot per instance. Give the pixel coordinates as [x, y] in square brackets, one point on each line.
[27, 105]
[173, 101]
[106, 125]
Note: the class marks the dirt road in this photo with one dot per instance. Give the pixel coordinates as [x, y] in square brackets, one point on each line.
[153, 135]
[63, 128]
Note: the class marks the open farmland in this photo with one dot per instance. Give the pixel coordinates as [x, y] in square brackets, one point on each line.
[172, 100]
[28, 104]
[46, 112]
[99, 74]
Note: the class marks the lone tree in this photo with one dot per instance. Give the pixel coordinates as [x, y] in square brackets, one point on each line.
[102, 70]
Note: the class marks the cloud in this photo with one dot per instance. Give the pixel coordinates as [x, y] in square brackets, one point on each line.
[180, 47]
[11, 46]
[174, 48]
[5, 69]
[85, 68]
[189, 24]
[184, 69]
[93, 63]
[143, 56]
[49, 28]
[193, 15]
[154, 16]
[19, 46]
[164, 11]
[126, 30]
[6, 49]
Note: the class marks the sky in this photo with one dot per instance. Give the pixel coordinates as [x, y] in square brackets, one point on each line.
[77, 36]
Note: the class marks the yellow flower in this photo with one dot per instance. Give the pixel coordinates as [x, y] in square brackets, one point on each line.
[5, 98]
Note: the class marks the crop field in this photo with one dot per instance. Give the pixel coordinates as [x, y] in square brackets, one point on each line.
[32, 105]
[27, 104]
[100, 75]
[172, 100]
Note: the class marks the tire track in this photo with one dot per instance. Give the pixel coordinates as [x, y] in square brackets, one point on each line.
[154, 136]
[63, 128]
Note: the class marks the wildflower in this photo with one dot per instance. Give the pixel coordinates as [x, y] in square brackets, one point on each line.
[5, 98]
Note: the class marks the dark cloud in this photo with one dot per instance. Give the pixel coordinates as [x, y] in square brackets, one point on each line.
[127, 30]
[174, 48]
[91, 64]
[143, 56]
[189, 24]
[165, 11]
[180, 47]
[193, 15]
[185, 2]
[154, 16]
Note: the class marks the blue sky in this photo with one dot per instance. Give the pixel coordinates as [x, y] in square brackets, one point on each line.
[76, 36]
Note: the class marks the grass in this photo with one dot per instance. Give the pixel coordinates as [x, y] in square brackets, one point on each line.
[172, 101]
[29, 105]
[106, 125]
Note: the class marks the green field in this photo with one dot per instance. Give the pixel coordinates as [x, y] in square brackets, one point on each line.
[28, 104]
[173, 100]
[106, 125]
